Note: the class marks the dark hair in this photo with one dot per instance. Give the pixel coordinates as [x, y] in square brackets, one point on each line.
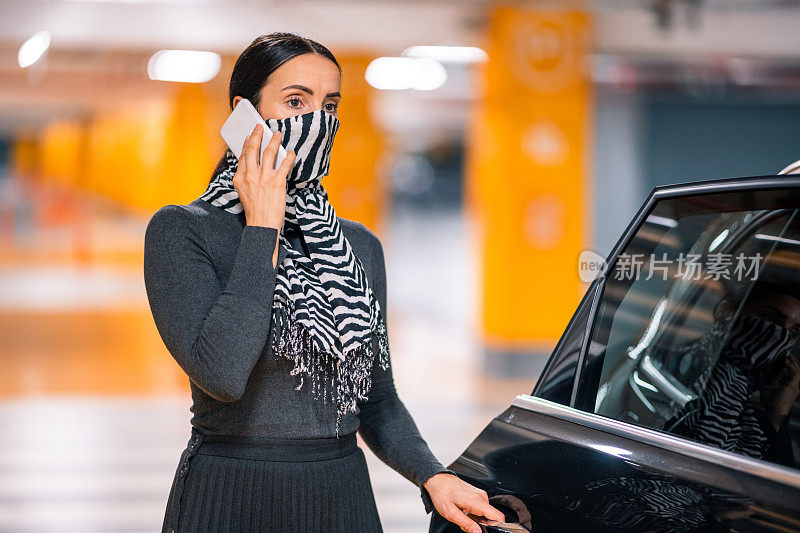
[259, 60]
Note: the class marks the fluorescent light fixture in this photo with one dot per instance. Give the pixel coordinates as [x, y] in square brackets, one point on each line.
[33, 49]
[191, 66]
[642, 383]
[775, 238]
[662, 221]
[675, 392]
[390, 73]
[430, 74]
[650, 333]
[448, 54]
[398, 73]
[717, 240]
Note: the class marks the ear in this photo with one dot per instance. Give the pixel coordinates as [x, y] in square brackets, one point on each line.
[236, 100]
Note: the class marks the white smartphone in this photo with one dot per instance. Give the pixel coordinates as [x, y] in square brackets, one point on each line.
[240, 124]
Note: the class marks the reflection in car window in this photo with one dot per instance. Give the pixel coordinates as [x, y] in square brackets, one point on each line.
[697, 326]
[558, 378]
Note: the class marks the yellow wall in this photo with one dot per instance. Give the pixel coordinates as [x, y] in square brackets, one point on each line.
[152, 154]
[527, 173]
[127, 151]
[63, 147]
[148, 154]
[26, 157]
[142, 154]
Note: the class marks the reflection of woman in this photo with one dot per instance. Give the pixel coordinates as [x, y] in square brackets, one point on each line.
[740, 357]
[275, 309]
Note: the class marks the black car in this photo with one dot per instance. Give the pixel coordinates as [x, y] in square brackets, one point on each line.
[670, 401]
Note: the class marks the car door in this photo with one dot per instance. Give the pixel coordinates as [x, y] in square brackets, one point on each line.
[670, 401]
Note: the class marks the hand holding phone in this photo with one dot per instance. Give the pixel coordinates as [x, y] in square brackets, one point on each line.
[262, 190]
[240, 124]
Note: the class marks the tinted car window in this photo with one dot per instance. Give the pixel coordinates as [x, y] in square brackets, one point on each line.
[697, 327]
[558, 378]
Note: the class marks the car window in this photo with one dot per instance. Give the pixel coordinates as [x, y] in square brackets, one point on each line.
[558, 377]
[697, 325]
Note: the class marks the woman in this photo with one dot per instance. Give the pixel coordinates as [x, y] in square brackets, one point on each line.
[275, 308]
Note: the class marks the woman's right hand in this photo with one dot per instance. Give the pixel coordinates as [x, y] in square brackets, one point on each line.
[453, 498]
[261, 188]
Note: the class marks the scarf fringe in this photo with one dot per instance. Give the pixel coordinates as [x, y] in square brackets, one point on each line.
[343, 382]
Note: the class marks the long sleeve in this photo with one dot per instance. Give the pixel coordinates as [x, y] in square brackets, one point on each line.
[386, 425]
[216, 335]
[779, 449]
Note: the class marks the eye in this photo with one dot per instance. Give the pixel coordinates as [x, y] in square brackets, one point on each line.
[335, 106]
[293, 100]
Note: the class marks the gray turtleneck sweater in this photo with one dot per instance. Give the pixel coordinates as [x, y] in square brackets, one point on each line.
[210, 283]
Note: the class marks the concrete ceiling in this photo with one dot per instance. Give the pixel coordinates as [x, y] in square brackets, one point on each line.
[229, 26]
[757, 27]
[99, 48]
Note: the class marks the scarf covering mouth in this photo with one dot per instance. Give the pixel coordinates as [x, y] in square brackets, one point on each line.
[325, 315]
[735, 353]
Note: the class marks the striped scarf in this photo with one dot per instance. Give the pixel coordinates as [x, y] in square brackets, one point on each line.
[324, 313]
[736, 355]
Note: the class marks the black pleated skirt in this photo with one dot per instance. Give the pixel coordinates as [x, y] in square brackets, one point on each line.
[227, 483]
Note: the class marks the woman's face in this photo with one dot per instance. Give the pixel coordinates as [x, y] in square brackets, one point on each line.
[303, 84]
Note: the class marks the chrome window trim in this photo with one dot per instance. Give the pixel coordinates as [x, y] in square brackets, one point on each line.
[590, 294]
[757, 467]
[587, 337]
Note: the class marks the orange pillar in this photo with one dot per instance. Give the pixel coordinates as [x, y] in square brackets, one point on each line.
[527, 174]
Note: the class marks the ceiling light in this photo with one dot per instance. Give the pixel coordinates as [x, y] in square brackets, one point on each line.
[32, 49]
[448, 54]
[398, 73]
[192, 66]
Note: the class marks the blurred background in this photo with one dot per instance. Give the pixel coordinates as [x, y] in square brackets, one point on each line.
[488, 144]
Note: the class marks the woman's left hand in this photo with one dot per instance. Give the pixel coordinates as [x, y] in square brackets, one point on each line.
[453, 498]
[778, 402]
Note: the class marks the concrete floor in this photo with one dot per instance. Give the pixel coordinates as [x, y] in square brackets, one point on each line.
[95, 412]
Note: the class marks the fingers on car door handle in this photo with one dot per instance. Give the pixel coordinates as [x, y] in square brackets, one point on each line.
[494, 526]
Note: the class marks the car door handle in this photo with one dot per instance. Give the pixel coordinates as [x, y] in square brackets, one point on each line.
[504, 527]
[495, 526]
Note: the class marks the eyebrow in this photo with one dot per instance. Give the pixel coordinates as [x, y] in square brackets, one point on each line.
[309, 91]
